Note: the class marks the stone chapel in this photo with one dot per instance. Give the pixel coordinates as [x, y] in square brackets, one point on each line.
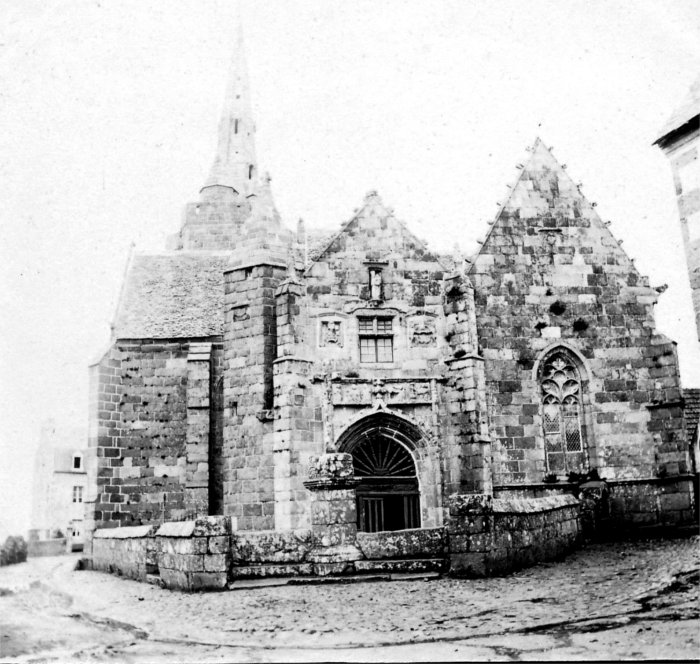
[364, 385]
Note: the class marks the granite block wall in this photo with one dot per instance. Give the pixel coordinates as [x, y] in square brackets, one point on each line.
[150, 439]
[104, 441]
[497, 536]
[250, 350]
[551, 275]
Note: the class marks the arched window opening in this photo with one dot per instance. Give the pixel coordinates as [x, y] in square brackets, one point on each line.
[564, 444]
[250, 172]
[387, 497]
[235, 127]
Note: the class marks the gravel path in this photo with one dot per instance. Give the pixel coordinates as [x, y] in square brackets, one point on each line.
[624, 600]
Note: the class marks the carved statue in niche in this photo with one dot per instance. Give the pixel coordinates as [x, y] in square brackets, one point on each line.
[375, 284]
[331, 333]
[423, 332]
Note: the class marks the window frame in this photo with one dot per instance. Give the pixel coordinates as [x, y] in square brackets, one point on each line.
[369, 337]
[562, 390]
[78, 494]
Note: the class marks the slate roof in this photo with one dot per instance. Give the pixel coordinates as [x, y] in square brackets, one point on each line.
[692, 412]
[172, 294]
[180, 294]
[689, 109]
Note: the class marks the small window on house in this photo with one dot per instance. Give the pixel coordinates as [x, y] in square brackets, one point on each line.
[250, 172]
[235, 126]
[376, 339]
[77, 494]
[77, 462]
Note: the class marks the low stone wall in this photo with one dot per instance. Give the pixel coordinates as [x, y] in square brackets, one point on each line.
[123, 551]
[483, 536]
[490, 536]
[194, 555]
[49, 547]
[415, 543]
[266, 553]
[649, 502]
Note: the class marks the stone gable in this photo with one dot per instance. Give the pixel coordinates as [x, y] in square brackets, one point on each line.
[550, 273]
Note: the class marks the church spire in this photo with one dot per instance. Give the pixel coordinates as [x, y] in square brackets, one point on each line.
[235, 165]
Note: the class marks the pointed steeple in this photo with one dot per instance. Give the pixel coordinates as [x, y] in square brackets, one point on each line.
[235, 165]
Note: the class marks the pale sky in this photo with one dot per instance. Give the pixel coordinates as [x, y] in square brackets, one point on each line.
[108, 118]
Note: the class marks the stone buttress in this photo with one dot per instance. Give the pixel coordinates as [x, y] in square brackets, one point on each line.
[257, 266]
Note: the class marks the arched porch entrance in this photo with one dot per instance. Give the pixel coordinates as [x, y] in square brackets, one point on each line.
[388, 496]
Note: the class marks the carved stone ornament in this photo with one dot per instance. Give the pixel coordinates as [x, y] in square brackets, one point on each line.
[240, 313]
[331, 470]
[356, 394]
[331, 333]
[423, 333]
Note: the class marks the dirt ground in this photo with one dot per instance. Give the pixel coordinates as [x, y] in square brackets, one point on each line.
[608, 601]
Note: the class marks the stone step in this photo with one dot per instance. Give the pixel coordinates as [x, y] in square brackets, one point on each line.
[271, 582]
[272, 570]
[378, 570]
[349, 578]
[402, 566]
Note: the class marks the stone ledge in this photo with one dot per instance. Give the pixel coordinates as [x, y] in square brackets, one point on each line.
[127, 532]
[532, 505]
[205, 526]
[412, 566]
[271, 570]
[413, 543]
[176, 529]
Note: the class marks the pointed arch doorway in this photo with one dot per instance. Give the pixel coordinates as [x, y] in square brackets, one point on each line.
[388, 496]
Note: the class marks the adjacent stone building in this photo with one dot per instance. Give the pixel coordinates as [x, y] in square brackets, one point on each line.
[313, 401]
[680, 141]
[59, 490]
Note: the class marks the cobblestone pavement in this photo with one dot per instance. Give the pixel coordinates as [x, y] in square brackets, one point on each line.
[635, 600]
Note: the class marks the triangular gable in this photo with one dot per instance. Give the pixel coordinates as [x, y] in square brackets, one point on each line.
[374, 233]
[544, 191]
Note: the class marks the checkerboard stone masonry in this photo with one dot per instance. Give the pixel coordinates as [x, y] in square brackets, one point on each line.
[244, 379]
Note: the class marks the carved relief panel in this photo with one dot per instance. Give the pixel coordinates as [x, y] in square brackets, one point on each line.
[422, 330]
[332, 330]
[390, 392]
[331, 333]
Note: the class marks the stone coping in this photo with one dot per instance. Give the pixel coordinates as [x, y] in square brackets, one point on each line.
[567, 486]
[532, 505]
[127, 532]
[177, 529]
[651, 480]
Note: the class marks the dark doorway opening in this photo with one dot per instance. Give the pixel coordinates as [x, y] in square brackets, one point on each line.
[388, 497]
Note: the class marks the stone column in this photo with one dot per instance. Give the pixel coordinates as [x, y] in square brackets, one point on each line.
[466, 394]
[333, 514]
[297, 425]
[198, 424]
[470, 530]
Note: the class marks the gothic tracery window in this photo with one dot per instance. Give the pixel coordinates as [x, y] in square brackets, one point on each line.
[560, 385]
